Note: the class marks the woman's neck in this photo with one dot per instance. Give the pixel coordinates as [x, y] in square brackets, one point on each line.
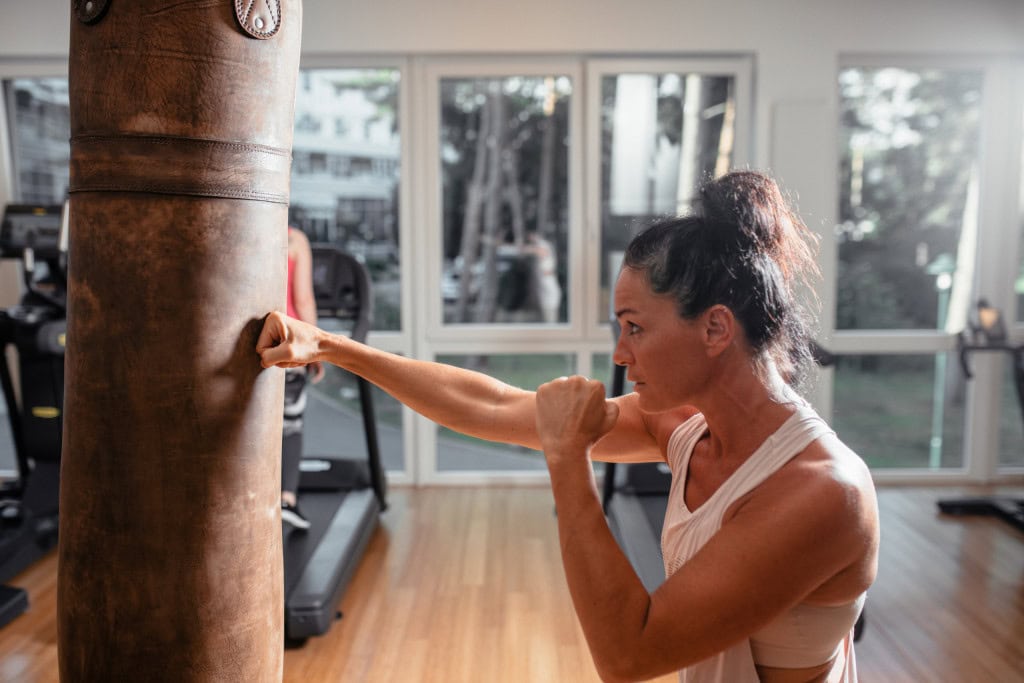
[745, 406]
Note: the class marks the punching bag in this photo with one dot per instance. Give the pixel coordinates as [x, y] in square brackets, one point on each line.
[170, 565]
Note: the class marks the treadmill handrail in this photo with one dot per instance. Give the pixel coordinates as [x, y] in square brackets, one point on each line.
[343, 291]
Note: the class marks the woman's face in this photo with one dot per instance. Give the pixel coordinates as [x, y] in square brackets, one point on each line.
[662, 352]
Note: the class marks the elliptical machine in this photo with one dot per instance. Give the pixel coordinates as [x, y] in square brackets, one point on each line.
[36, 327]
[987, 335]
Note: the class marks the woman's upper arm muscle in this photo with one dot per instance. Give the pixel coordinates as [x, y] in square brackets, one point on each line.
[639, 436]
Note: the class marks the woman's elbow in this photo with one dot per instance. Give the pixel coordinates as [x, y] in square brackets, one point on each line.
[622, 666]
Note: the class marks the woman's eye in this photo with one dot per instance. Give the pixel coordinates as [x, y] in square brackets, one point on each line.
[632, 328]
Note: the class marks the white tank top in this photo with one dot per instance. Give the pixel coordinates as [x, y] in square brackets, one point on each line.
[685, 532]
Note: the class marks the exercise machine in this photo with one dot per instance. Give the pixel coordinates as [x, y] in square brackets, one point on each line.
[342, 496]
[35, 328]
[988, 335]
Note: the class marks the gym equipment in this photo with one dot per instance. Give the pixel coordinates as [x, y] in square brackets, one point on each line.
[170, 560]
[35, 328]
[341, 496]
[988, 336]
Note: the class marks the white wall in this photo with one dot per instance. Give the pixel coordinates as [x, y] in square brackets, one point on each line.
[412, 26]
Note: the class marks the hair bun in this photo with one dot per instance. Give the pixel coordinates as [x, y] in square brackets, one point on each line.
[751, 207]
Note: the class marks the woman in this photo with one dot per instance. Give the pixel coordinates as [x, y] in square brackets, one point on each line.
[771, 533]
[301, 305]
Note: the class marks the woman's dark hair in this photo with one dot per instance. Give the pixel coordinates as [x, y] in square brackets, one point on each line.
[744, 248]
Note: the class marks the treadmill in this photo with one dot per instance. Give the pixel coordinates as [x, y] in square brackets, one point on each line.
[36, 328]
[342, 496]
[989, 335]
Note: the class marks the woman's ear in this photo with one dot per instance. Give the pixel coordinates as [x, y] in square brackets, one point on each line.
[719, 329]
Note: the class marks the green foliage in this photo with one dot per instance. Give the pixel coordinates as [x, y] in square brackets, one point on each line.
[908, 148]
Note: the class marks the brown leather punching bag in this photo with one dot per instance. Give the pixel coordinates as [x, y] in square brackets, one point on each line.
[170, 563]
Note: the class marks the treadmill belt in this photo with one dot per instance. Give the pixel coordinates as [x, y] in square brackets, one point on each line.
[320, 562]
[319, 509]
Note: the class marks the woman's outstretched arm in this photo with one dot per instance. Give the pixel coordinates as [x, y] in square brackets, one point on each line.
[463, 400]
[469, 402]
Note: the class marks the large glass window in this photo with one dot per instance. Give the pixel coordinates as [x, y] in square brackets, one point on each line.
[908, 180]
[895, 412]
[344, 191]
[505, 198]
[40, 127]
[1011, 420]
[1018, 285]
[908, 243]
[346, 163]
[662, 134]
[456, 452]
[345, 173]
[345, 169]
[38, 121]
[509, 145]
[333, 421]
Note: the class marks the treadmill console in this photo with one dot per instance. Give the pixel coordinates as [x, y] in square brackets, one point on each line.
[39, 228]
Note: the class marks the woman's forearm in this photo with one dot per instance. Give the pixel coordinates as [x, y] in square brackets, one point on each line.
[463, 400]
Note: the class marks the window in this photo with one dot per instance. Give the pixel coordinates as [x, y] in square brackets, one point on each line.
[335, 196]
[908, 185]
[910, 238]
[504, 164]
[456, 452]
[662, 134]
[38, 111]
[498, 269]
[506, 161]
[1011, 418]
[895, 411]
[333, 421]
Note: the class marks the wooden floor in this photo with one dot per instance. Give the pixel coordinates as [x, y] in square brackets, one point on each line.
[466, 585]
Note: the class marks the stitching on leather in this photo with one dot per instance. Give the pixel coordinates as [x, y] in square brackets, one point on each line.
[244, 10]
[173, 140]
[215, 191]
[181, 187]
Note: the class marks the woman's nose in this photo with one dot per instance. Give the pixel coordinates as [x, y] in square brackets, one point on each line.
[620, 356]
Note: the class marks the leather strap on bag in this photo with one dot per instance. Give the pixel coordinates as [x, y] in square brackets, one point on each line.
[179, 166]
[260, 19]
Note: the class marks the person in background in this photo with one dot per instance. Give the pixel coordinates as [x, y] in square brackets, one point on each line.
[771, 532]
[547, 292]
[301, 305]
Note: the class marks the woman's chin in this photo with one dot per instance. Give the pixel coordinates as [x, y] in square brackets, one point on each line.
[645, 401]
[649, 402]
